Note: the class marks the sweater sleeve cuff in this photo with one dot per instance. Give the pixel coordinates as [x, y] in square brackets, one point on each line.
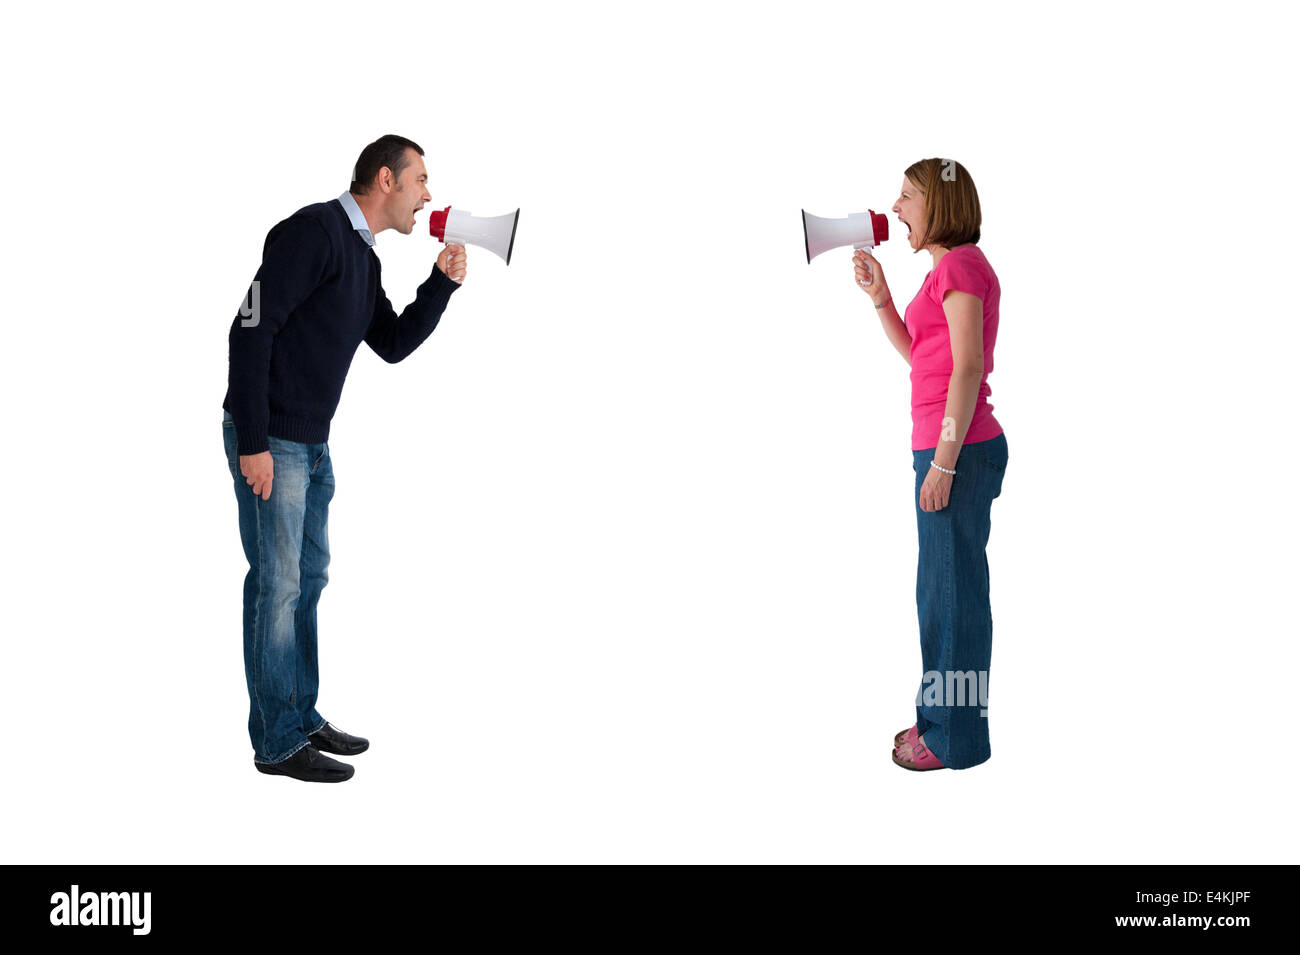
[444, 280]
[252, 441]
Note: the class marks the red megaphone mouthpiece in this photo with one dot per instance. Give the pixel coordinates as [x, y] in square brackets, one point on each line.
[438, 223]
[879, 227]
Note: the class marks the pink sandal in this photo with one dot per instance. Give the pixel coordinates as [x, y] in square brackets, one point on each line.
[916, 755]
[908, 735]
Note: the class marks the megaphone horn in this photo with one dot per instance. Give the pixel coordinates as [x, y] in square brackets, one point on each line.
[494, 233]
[862, 230]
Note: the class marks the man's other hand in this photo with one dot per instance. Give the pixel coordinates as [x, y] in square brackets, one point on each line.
[258, 470]
[452, 263]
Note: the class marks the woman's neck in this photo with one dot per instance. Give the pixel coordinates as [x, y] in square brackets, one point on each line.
[937, 252]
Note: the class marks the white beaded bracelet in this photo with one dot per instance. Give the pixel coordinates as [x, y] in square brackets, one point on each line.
[942, 468]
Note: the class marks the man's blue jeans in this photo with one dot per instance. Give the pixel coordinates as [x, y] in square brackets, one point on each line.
[287, 547]
[952, 604]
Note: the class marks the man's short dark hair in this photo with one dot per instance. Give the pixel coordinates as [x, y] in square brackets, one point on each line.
[387, 151]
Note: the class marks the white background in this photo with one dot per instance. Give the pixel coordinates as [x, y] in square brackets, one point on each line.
[624, 555]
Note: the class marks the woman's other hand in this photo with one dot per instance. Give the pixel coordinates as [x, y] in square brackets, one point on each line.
[870, 276]
[935, 490]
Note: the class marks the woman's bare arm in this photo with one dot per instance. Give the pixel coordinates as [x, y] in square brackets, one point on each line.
[896, 331]
[965, 314]
[870, 277]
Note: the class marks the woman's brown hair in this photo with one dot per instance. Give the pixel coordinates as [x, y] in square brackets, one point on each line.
[952, 206]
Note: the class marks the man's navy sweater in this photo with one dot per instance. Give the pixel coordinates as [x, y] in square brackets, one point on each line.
[318, 296]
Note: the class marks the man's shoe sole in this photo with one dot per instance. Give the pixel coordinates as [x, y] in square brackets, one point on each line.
[270, 770]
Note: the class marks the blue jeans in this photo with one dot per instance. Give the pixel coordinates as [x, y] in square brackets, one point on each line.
[287, 547]
[952, 604]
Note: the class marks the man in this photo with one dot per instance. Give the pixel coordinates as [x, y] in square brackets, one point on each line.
[316, 297]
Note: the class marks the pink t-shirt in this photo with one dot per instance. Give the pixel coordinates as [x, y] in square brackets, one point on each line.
[966, 270]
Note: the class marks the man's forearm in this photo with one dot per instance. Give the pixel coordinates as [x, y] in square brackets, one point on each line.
[393, 337]
[249, 385]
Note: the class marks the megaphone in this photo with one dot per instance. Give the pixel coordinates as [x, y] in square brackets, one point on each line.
[494, 233]
[862, 230]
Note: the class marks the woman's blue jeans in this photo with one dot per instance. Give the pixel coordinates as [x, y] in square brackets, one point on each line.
[952, 605]
[287, 547]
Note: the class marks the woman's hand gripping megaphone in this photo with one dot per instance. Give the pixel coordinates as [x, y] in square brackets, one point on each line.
[870, 277]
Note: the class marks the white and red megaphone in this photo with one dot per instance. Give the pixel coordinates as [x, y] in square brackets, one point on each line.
[495, 233]
[862, 230]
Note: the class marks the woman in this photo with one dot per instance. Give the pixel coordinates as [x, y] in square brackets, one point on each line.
[959, 454]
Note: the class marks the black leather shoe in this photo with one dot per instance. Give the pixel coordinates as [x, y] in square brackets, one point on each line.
[331, 739]
[309, 765]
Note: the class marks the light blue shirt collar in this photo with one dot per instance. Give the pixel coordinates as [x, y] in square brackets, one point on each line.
[357, 218]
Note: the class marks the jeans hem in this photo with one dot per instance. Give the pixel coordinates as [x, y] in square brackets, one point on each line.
[978, 762]
[272, 762]
[319, 728]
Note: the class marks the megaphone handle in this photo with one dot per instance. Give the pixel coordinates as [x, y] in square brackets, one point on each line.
[868, 246]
